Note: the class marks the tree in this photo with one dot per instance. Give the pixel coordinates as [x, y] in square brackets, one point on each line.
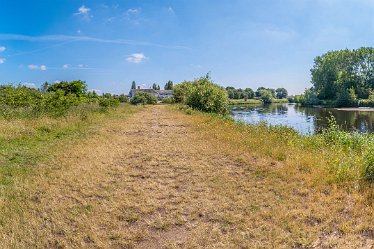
[281, 93]
[133, 85]
[76, 87]
[346, 97]
[169, 85]
[340, 70]
[257, 93]
[266, 96]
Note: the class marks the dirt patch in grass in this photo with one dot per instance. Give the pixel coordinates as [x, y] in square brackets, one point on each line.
[163, 179]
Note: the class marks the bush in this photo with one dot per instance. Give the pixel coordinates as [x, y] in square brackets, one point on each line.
[182, 91]
[207, 97]
[143, 98]
[168, 100]
[108, 102]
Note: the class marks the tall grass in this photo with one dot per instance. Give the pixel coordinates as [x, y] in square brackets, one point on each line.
[333, 156]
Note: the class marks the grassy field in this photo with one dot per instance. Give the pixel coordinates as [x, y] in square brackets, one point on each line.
[25, 145]
[159, 177]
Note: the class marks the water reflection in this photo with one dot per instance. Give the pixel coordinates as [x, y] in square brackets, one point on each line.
[305, 120]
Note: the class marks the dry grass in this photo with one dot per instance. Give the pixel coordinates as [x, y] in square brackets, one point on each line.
[163, 179]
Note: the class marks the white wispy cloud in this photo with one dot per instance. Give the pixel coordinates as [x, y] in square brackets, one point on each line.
[84, 12]
[133, 11]
[70, 38]
[2, 60]
[65, 66]
[136, 58]
[2, 49]
[37, 67]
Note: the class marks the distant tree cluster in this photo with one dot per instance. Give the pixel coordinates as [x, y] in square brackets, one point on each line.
[155, 86]
[342, 76]
[267, 95]
[169, 85]
[239, 93]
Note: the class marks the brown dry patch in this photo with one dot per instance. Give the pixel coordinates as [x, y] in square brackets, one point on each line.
[162, 179]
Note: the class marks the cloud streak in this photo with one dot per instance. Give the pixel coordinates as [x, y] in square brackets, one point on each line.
[2, 49]
[84, 12]
[2, 60]
[136, 58]
[36, 67]
[71, 38]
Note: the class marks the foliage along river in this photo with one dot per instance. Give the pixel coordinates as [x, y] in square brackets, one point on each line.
[305, 120]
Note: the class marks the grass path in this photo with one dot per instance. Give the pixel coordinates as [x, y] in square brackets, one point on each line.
[159, 179]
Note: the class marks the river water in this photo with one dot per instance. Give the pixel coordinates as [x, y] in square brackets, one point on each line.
[305, 120]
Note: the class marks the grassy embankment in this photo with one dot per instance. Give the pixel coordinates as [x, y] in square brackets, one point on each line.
[336, 157]
[335, 165]
[28, 139]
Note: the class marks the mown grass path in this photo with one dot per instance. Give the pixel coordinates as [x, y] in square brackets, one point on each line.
[159, 179]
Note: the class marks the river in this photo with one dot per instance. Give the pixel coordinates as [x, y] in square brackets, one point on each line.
[306, 120]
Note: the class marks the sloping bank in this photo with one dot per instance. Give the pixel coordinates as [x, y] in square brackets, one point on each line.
[330, 175]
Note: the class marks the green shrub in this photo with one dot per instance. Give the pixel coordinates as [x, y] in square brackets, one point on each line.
[168, 100]
[143, 98]
[108, 102]
[203, 95]
[182, 91]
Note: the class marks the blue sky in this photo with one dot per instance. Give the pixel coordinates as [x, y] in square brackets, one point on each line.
[242, 43]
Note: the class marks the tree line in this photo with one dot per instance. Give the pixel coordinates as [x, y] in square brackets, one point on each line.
[267, 95]
[342, 77]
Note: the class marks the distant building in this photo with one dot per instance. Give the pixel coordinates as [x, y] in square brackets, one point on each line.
[160, 94]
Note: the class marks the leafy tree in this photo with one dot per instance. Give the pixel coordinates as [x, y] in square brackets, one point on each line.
[266, 96]
[281, 93]
[133, 85]
[257, 93]
[335, 72]
[346, 97]
[77, 87]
